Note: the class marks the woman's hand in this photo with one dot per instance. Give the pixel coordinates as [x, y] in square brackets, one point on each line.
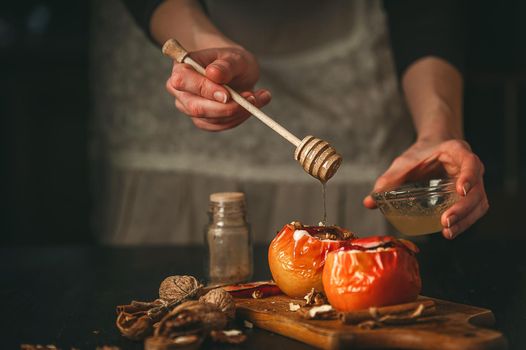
[453, 158]
[204, 99]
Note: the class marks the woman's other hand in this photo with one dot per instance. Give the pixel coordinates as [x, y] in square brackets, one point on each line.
[204, 99]
[452, 158]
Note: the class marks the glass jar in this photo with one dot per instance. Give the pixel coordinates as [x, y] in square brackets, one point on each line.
[228, 239]
[416, 208]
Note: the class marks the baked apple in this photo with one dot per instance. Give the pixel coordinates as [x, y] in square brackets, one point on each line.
[372, 271]
[297, 255]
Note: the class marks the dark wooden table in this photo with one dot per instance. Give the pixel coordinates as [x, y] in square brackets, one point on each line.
[66, 295]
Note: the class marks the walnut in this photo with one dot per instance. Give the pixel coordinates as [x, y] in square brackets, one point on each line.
[179, 288]
[222, 299]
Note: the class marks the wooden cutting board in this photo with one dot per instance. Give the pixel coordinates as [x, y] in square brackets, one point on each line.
[449, 326]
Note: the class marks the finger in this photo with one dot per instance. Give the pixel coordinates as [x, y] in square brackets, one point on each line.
[463, 207]
[471, 172]
[202, 124]
[461, 163]
[465, 223]
[199, 107]
[369, 202]
[224, 120]
[180, 107]
[459, 213]
[224, 123]
[185, 78]
[263, 97]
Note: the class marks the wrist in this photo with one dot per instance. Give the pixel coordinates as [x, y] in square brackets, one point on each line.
[214, 40]
[437, 136]
[186, 21]
[439, 124]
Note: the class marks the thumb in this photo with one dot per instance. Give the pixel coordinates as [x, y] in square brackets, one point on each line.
[221, 65]
[388, 180]
[393, 177]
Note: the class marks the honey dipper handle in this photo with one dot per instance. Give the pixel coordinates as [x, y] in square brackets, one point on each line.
[175, 51]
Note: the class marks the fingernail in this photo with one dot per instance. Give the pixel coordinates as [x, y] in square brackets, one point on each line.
[251, 99]
[451, 233]
[466, 187]
[451, 220]
[267, 95]
[220, 96]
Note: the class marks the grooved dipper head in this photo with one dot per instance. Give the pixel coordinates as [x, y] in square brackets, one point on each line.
[318, 158]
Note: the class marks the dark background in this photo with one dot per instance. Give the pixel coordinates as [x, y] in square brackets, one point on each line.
[45, 110]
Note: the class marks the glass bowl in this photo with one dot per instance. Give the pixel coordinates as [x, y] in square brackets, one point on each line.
[415, 208]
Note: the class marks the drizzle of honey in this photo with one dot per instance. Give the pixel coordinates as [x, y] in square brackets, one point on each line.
[323, 222]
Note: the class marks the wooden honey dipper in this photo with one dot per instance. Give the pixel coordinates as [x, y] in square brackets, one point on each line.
[317, 157]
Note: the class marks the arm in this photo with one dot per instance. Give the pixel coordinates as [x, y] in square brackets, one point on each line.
[186, 21]
[433, 92]
[428, 38]
[432, 86]
[204, 99]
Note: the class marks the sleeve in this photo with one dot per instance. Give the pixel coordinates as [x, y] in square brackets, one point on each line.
[142, 11]
[426, 28]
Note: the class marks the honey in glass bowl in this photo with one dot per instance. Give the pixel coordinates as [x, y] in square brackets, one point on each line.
[415, 208]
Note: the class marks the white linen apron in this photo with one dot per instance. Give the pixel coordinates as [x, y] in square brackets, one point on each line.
[329, 67]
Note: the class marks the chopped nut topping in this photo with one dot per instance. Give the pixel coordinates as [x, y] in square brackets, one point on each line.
[294, 307]
[297, 225]
[315, 298]
[322, 312]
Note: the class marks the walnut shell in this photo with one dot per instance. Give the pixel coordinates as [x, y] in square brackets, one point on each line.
[222, 299]
[179, 288]
[211, 316]
[134, 327]
[191, 317]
